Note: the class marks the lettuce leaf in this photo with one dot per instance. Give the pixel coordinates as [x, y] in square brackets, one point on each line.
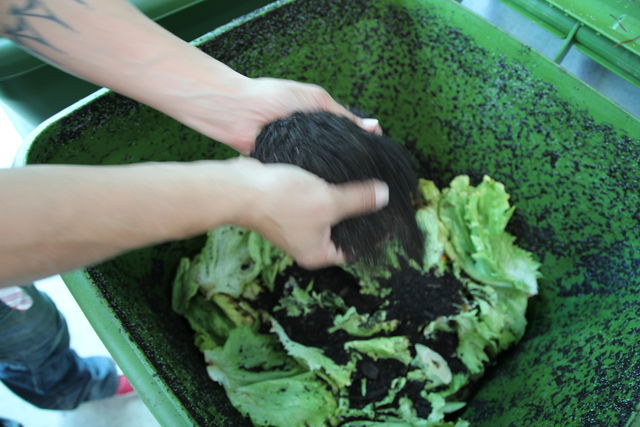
[263, 382]
[184, 287]
[433, 368]
[236, 310]
[314, 359]
[210, 325]
[476, 219]
[440, 407]
[363, 325]
[233, 259]
[474, 238]
[435, 234]
[298, 301]
[302, 400]
[383, 347]
[497, 321]
[248, 357]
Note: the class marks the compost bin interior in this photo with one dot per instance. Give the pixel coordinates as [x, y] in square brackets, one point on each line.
[464, 98]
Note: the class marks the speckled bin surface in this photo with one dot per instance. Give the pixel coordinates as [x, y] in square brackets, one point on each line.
[465, 98]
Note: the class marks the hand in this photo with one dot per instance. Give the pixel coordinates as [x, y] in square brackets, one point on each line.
[295, 209]
[257, 102]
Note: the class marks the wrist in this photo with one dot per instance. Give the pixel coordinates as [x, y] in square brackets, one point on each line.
[223, 192]
[185, 80]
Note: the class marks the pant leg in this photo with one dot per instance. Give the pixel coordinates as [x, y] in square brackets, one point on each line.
[36, 362]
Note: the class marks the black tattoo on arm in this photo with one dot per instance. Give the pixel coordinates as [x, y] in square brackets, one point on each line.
[27, 18]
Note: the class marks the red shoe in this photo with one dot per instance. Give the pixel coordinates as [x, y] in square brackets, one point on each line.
[124, 388]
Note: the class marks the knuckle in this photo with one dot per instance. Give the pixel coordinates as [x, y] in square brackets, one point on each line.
[368, 196]
[321, 96]
[307, 262]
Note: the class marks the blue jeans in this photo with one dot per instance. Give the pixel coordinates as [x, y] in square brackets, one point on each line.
[37, 364]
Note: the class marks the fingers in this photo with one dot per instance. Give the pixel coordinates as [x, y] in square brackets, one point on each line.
[332, 256]
[335, 255]
[352, 199]
[357, 198]
[327, 256]
[324, 255]
[369, 124]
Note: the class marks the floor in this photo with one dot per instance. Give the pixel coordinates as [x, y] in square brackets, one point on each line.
[131, 410]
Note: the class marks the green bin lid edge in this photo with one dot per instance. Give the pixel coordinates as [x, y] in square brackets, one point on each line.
[618, 20]
[607, 31]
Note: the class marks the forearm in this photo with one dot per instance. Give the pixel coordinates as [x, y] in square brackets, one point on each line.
[56, 218]
[111, 43]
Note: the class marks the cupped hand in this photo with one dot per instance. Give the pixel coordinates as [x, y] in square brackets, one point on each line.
[255, 102]
[295, 209]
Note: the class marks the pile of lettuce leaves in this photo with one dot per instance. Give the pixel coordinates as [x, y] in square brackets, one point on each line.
[398, 344]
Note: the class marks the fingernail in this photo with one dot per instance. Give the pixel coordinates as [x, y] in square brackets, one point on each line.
[381, 190]
[372, 125]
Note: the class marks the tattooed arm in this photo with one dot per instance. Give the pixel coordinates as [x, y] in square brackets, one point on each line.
[109, 42]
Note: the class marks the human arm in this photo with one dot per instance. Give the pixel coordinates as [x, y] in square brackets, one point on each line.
[55, 218]
[111, 43]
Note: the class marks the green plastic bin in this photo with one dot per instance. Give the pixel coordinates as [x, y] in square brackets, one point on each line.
[464, 98]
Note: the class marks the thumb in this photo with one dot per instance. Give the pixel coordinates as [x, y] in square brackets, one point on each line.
[357, 198]
[371, 125]
[368, 124]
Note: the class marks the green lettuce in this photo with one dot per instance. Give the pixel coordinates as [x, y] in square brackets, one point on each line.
[258, 376]
[248, 357]
[277, 381]
[440, 407]
[210, 325]
[363, 325]
[478, 243]
[301, 400]
[231, 261]
[314, 359]
[435, 234]
[383, 347]
[492, 322]
[432, 367]
[300, 301]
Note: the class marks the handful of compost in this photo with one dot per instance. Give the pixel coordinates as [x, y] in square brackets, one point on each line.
[338, 151]
[398, 345]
